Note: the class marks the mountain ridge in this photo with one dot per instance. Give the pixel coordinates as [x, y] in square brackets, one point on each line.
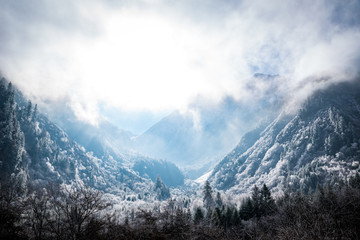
[299, 150]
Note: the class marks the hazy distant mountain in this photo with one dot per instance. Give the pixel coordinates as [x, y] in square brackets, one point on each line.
[193, 140]
[199, 137]
[318, 144]
[103, 139]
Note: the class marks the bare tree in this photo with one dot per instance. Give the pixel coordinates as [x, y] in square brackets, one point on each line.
[76, 212]
[38, 213]
[10, 213]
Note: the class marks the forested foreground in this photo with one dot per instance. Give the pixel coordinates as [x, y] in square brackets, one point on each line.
[62, 213]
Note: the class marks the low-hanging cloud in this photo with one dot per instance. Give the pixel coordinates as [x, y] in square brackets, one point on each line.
[156, 55]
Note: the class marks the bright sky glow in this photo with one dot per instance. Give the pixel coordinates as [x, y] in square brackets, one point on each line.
[145, 62]
[157, 56]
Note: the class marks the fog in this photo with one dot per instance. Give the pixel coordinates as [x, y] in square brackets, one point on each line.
[161, 56]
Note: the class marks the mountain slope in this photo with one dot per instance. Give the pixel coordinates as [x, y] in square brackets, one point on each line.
[319, 143]
[107, 141]
[34, 152]
[13, 165]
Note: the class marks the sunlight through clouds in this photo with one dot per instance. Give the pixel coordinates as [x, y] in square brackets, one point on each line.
[160, 56]
[142, 61]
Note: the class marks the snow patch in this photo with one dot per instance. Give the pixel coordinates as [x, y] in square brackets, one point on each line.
[201, 180]
[51, 167]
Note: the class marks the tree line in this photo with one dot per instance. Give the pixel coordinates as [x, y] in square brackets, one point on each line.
[62, 212]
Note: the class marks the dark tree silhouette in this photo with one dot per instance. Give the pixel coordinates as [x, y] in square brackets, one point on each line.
[218, 200]
[199, 216]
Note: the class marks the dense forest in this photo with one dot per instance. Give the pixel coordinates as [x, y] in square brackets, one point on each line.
[61, 212]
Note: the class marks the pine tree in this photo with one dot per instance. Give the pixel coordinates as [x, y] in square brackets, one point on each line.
[256, 201]
[161, 190]
[159, 182]
[209, 214]
[228, 217]
[217, 217]
[29, 111]
[267, 204]
[34, 115]
[260, 204]
[218, 200]
[236, 218]
[208, 199]
[247, 209]
[199, 215]
[188, 215]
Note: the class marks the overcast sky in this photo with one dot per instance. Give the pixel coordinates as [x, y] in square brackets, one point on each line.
[152, 57]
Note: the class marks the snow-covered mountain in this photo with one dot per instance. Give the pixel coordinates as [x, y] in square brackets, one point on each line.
[36, 151]
[107, 141]
[318, 144]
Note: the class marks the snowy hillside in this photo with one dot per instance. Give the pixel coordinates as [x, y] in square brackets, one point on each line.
[36, 152]
[106, 141]
[319, 144]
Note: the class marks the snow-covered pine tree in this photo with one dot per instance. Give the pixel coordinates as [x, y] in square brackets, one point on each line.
[161, 190]
[11, 138]
[208, 198]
